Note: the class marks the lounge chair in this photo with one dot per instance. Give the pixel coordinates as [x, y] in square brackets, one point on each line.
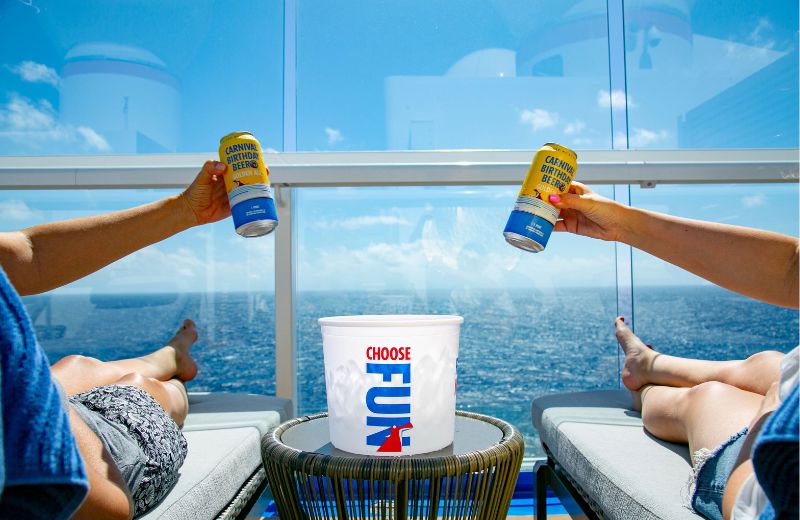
[222, 476]
[599, 453]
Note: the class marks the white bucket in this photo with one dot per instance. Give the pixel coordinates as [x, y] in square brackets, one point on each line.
[380, 402]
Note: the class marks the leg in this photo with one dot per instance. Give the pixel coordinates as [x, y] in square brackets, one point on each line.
[80, 373]
[644, 366]
[108, 494]
[704, 416]
[171, 395]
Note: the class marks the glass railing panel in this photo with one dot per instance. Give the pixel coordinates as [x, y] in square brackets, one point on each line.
[534, 323]
[711, 74]
[683, 315]
[153, 77]
[222, 281]
[386, 75]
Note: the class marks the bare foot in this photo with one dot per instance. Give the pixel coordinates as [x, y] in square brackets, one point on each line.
[182, 340]
[638, 357]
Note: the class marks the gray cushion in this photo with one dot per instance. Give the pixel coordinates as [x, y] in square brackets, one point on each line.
[223, 432]
[218, 464]
[231, 410]
[602, 445]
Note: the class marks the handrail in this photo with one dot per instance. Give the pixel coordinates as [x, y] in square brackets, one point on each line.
[407, 168]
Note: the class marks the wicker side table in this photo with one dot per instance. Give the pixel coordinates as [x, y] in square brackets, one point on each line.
[473, 478]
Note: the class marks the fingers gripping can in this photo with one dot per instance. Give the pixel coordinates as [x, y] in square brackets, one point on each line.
[247, 182]
[533, 217]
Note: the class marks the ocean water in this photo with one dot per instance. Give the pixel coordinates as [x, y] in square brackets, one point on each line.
[514, 345]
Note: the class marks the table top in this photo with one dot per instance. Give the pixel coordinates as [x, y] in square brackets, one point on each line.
[473, 433]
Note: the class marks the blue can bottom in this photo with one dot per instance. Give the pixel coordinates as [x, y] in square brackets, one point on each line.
[527, 231]
[255, 217]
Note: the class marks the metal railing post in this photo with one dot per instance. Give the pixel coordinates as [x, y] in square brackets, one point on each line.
[285, 360]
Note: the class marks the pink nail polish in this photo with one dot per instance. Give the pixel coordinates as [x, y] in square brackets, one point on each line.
[555, 198]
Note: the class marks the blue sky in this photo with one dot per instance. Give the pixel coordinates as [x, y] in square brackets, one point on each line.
[81, 78]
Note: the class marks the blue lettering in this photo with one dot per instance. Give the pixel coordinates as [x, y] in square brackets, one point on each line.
[378, 438]
[388, 369]
[373, 394]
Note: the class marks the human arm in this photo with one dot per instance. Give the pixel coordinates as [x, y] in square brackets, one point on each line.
[46, 256]
[759, 264]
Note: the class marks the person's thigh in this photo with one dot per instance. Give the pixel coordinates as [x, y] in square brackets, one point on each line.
[704, 416]
[108, 494]
[170, 396]
[716, 411]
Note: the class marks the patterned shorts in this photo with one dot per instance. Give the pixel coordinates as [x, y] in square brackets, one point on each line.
[145, 443]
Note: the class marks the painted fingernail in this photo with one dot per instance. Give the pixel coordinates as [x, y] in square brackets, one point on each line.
[649, 346]
[622, 319]
[555, 198]
[218, 166]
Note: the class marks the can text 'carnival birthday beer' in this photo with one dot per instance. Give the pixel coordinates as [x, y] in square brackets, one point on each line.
[247, 182]
[533, 218]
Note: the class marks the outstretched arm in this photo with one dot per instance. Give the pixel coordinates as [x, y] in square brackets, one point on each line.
[47, 256]
[759, 264]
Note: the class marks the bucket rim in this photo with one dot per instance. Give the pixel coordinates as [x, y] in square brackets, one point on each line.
[391, 320]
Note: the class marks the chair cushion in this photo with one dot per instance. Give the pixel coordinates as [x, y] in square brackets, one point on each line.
[218, 464]
[223, 431]
[600, 442]
[214, 410]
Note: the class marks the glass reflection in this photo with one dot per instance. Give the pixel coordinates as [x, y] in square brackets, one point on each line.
[711, 74]
[478, 74]
[132, 77]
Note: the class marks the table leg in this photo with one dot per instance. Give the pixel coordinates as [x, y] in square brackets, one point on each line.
[401, 500]
[542, 480]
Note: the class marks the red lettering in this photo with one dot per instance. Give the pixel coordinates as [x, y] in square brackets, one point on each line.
[388, 353]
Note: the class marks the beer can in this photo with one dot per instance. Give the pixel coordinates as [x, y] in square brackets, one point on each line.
[533, 217]
[247, 182]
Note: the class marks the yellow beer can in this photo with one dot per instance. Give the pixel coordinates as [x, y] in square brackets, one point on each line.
[532, 220]
[247, 182]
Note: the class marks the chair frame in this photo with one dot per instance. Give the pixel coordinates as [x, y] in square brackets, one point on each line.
[552, 474]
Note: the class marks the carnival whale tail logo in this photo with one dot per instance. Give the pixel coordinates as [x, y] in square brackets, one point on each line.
[394, 442]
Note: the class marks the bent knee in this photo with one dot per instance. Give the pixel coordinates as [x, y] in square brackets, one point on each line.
[769, 358]
[711, 390]
[76, 362]
[134, 379]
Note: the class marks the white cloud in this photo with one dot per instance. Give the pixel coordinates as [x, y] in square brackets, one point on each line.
[754, 201]
[641, 137]
[17, 210]
[154, 263]
[538, 118]
[757, 35]
[93, 139]
[36, 73]
[334, 135]
[364, 221]
[30, 4]
[575, 128]
[35, 124]
[615, 99]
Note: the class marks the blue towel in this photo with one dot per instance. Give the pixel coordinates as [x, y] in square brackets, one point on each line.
[42, 473]
[775, 459]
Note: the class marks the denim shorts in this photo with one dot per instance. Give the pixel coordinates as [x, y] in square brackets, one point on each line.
[712, 474]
